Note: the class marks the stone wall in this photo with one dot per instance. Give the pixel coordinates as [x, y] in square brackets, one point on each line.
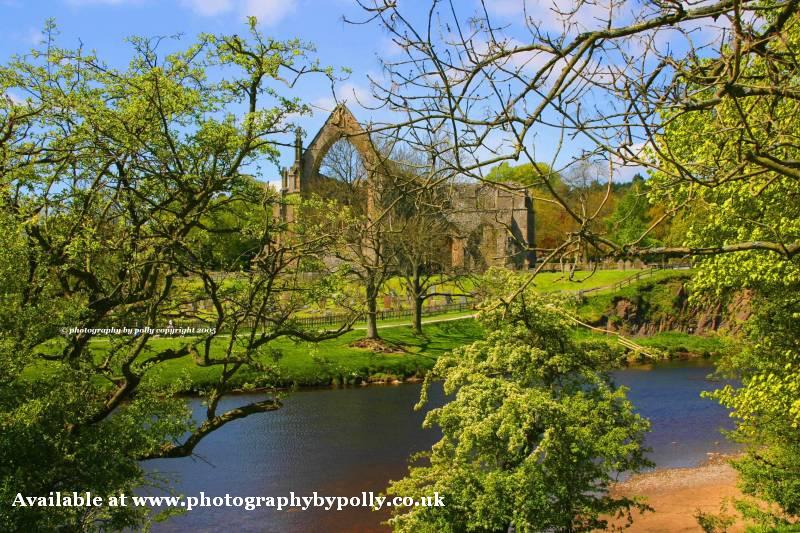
[491, 225]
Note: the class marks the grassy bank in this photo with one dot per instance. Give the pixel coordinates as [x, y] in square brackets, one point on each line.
[404, 353]
[672, 344]
[336, 362]
[293, 363]
[655, 289]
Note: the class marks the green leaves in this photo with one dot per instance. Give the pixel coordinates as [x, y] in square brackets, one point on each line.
[534, 432]
[123, 192]
[730, 163]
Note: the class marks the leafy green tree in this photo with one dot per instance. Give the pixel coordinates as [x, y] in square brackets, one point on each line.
[109, 179]
[767, 406]
[631, 218]
[535, 432]
[526, 174]
[739, 147]
[231, 233]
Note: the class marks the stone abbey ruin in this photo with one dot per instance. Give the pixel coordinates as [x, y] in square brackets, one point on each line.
[488, 225]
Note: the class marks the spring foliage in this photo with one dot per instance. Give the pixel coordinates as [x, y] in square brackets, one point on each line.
[534, 433]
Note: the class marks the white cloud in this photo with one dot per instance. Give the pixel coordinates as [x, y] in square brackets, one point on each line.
[560, 15]
[269, 12]
[13, 97]
[323, 104]
[390, 48]
[208, 8]
[35, 36]
[102, 2]
[506, 8]
[353, 94]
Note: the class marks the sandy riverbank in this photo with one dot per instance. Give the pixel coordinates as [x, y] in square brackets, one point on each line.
[677, 494]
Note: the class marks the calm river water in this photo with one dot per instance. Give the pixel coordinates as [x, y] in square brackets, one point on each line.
[343, 442]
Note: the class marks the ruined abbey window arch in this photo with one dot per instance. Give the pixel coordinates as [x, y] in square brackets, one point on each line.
[490, 225]
[343, 163]
[341, 125]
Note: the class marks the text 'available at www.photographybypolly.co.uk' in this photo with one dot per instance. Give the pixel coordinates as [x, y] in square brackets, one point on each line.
[248, 503]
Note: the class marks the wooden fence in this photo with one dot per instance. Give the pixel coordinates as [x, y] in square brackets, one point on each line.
[388, 314]
[644, 274]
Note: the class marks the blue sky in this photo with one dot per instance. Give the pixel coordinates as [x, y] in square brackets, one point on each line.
[103, 25]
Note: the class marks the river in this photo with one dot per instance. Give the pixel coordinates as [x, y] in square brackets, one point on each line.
[342, 442]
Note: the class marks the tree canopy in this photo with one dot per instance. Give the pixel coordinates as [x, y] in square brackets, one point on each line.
[115, 183]
[535, 432]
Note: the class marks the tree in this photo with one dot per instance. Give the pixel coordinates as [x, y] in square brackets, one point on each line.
[231, 239]
[535, 432]
[703, 96]
[741, 152]
[423, 258]
[363, 193]
[422, 233]
[582, 186]
[631, 216]
[110, 181]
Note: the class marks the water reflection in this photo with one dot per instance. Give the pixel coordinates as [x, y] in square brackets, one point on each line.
[343, 442]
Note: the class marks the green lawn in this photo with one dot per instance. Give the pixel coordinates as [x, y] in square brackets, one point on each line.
[308, 364]
[337, 362]
[556, 281]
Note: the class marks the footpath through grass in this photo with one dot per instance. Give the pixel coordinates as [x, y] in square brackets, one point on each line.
[332, 362]
[404, 354]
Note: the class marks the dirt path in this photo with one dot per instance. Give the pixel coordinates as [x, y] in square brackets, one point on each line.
[429, 321]
[677, 494]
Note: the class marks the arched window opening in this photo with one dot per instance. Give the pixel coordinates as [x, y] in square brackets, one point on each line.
[343, 175]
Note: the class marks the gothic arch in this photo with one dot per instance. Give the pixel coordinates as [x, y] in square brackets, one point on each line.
[341, 124]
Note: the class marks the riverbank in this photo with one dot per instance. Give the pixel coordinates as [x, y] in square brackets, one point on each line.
[403, 355]
[342, 442]
[677, 495]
